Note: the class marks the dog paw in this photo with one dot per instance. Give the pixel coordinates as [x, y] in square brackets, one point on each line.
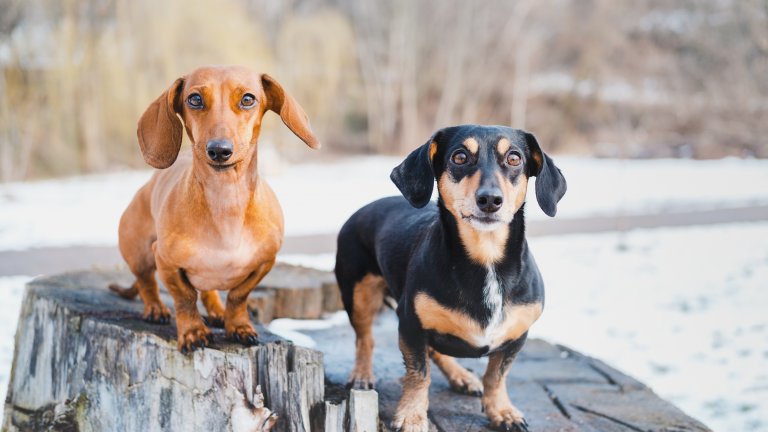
[129, 293]
[465, 382]
[243, 334]
[157, 314]
[214, 321]
[411, 422]
[508, 419]
[361, 381]
[194, 337]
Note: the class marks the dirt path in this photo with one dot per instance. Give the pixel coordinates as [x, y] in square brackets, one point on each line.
[59, 259]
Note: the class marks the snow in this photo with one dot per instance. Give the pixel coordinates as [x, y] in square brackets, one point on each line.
[683, 309]
[318, 197]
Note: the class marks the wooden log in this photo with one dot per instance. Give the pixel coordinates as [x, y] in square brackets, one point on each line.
[298, 291]
[358, 413]
[261, 303]
[84, 360]
[557, 388]
[332, 296]
[363, 411]
[335, 416]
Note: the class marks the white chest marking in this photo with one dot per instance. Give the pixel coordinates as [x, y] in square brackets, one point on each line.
[495, 303]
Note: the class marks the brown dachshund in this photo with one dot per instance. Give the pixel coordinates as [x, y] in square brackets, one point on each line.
[208, 222]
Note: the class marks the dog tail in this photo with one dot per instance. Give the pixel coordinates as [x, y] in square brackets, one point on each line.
[126, 293]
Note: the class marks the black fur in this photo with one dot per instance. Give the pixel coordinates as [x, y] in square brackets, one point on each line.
[415, 245]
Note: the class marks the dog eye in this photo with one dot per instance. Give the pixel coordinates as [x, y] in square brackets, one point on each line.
[247, 101]
[459, 158]
[195, 101]
[513, 159]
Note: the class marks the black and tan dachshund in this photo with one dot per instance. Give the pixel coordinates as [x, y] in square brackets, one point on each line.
[465, 283]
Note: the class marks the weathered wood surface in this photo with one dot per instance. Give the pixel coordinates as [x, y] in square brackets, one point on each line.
[290, 291]
[85, 360]
[558, 389]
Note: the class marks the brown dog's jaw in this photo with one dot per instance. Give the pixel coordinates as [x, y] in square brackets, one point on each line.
[220, 168]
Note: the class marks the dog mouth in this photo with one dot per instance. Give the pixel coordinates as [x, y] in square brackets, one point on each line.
[223, 167]
[481, 219]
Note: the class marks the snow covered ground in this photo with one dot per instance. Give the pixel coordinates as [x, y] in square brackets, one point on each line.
[684, 310]
[87, 209]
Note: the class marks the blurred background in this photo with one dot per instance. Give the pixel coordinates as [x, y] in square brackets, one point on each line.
[656, 111]
[594, 77]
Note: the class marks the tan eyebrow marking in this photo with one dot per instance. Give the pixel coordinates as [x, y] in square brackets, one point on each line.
[503, 146]
[471, 144]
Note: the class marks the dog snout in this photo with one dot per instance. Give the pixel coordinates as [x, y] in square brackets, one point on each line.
[219, 150]
[489, 199]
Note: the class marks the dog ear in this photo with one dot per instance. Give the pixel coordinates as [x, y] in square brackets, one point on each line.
[550, 183]
[160, 130]
[292, 114]
[415, 176]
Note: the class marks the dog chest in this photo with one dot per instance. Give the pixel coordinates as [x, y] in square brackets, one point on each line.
[508, 321]
[217, 267]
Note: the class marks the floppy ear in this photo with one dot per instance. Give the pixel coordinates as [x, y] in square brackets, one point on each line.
[160, 130]
[550, 183]
[292, 114]
[414, 176]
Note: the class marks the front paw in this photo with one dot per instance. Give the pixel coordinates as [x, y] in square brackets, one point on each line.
[361, 380]
[214, 321]
[243, 333]
[193, 336]
[507, 419]
[157, 313]
[411, 421]
[465, 382]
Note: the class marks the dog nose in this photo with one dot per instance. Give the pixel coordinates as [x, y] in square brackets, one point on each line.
[489, 199]
[219, 150]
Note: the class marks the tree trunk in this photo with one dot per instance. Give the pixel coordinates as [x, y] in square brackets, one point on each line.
[85, 361]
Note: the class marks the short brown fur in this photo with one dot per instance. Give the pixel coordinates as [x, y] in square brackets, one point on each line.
[503, 146]
[484, 247]
[496, 403]
[460, 379]
[368, 297]
[411, 413]
[518, 318]
[472, 145]
[204, 227]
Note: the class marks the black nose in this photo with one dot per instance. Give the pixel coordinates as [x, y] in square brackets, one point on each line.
[489, 199]
[219, 150]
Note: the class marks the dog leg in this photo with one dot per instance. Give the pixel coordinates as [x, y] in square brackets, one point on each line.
[461, 380]
[214, 307]
[191, 332]
[367, 298]
[496, 404]
[411, 413]
[145, 286]
[237, 322]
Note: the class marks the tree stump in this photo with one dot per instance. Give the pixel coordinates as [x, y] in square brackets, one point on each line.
[85, 360]
[557, 388]
[297, 292]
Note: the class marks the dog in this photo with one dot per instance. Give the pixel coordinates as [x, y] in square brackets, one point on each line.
[465, 282]
[206, 222]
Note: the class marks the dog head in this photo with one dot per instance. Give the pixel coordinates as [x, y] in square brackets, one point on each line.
[482, 174]
[222, 108]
